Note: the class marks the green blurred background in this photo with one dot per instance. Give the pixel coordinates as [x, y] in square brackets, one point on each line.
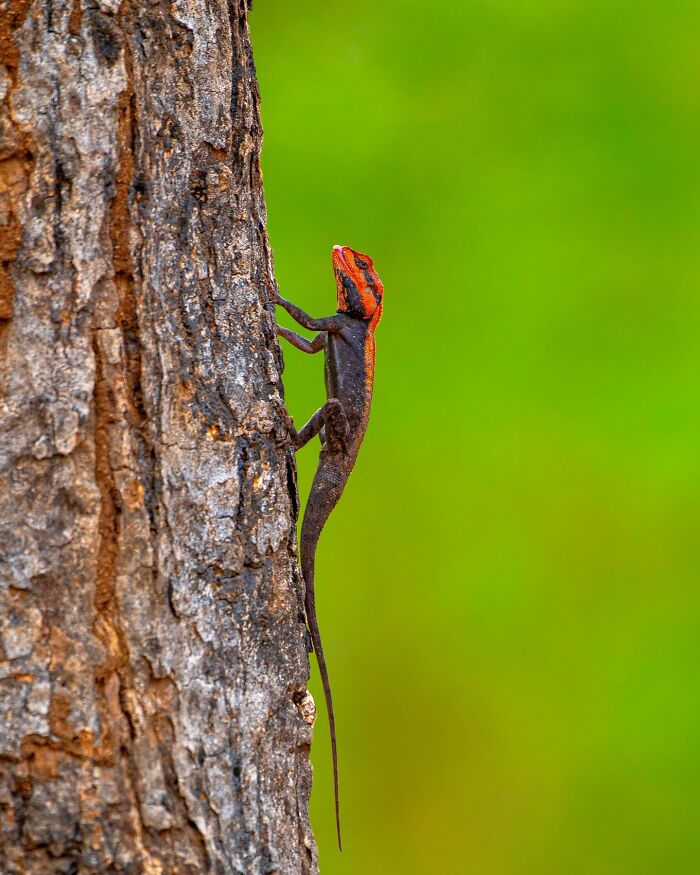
[509, 590]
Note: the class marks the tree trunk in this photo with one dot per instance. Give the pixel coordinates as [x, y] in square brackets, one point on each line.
[153, 708]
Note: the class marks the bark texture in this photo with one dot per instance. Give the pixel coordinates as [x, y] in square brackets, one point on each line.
[153, 708]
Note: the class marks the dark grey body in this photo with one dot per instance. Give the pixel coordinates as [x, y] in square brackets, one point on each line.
[347, 352]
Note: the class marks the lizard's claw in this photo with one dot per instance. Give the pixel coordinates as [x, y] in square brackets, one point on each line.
[273, 297]
[288, 434]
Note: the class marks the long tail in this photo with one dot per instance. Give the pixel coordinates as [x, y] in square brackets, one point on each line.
[318, 510]
[318, 647]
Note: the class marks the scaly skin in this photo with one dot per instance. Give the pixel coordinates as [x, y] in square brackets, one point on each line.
[347, 340]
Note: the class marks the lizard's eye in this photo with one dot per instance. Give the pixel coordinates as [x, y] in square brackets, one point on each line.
[361, 264]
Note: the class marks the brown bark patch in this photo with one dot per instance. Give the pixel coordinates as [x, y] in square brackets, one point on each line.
[11, 19]
[15, 160]
[76, 18]
[14, 175]
[107, 554]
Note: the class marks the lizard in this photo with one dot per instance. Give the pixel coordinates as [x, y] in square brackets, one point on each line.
[348, 343]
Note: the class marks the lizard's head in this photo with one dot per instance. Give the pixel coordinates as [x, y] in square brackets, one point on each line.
[360, 291]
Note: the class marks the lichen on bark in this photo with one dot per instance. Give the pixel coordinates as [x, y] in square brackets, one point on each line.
[152, 643]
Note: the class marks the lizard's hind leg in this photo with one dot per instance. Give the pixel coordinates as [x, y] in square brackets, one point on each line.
[332, 419]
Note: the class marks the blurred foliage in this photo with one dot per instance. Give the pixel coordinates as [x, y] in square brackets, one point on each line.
[508, 592]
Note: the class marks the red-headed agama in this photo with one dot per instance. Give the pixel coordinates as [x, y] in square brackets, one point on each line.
[347, 340]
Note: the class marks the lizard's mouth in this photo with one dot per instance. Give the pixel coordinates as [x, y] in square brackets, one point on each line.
[339, 258]
[342, 275]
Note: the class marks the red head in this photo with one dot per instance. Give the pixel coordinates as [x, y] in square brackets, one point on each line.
[360, 291]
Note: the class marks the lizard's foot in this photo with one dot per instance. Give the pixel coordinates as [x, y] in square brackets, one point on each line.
[287, 436]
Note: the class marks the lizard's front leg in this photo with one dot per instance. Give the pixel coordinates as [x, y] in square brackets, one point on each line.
[316, 344]
[328, 323]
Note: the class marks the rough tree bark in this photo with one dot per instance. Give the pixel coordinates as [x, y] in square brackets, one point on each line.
[153, 707]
